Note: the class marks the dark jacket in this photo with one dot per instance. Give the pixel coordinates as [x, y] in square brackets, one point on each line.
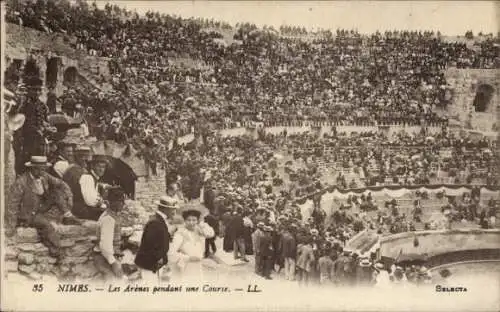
[24, 204]
[213, 222]
[288, 245]
[236, 228]
[72, 178]
[266, 246]
[154, 246]
[256, 237]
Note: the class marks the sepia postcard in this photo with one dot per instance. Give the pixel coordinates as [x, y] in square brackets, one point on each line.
[250, 155]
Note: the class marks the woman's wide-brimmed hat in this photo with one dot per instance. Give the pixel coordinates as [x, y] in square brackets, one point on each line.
[38, 161]
[191, 212]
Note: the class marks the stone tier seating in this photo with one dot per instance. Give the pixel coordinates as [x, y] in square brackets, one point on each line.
[27, 255]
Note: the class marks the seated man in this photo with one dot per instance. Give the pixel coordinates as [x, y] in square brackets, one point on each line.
[33, 194]
[108, 252]
[87, 202]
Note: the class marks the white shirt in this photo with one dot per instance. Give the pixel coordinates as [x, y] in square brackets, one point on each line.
[61, 166]
[89, 190]
[188, 243]
[38, 185]
[107, 228]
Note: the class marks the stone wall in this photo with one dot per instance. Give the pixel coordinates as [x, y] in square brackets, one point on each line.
[26, 255]
[439, 242]
[22, 42]
[465, 83]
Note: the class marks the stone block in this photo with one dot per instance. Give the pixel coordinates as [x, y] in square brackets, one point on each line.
[26, 258]
[42, 267]
[27, 269]
[67, 242]
[26, 235]
[74, 260]
[72, 231]
[79, 250]
[11, 266]
[44, 259]
[90, 226]
[87, 270]
[86, 238]
[11, 253]
[37, 249]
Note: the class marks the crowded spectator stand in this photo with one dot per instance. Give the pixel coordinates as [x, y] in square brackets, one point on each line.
[379, 80]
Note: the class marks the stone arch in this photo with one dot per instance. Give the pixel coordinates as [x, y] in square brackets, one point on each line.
[70, 76]
[483, 97]
[12, 73]
[52, 72]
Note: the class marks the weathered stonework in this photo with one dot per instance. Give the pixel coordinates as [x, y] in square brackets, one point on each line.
[465, 84]
[44, 48]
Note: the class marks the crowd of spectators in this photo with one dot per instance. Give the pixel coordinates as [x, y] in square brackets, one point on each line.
[402, 159]
[259, 76]
[346, 78]
[241, 180]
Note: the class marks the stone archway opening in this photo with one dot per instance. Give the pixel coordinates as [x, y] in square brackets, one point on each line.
[52, 71]
[483, 97]
[12, 74]
[70, 76]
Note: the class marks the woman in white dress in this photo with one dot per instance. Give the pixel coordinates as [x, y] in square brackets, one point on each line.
[188, 246]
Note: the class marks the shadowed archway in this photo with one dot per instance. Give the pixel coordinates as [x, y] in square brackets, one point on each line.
[70, 76]
[51, 74]
[483, 98]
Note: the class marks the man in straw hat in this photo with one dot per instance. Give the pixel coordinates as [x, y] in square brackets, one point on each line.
[87, 202]
[364, 272]
[34, 193]
[107, 253]
[155, 241]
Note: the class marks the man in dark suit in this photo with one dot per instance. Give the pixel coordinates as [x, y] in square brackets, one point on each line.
[267, 252]
[289, 252]
[211, 220]
[152, 254]
[236, 229]
[256, 237]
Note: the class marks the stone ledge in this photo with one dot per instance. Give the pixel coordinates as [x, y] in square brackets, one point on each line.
[26, 235]
[27, 256]
[76, 231]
